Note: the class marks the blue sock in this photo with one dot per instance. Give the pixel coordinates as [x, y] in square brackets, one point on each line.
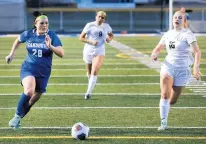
[23, 105]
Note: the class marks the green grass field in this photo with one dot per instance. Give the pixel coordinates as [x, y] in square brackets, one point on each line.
[124, 106]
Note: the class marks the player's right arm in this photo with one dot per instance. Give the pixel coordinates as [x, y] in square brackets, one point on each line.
[156, 51]
[15, 45]
[83, 38]
[158, 48]
[21, 39]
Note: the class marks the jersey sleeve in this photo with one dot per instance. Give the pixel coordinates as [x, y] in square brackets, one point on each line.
[162, 41]
[109, 29]
[23, 37]
[86, 28]
[190, 38]
[55, 40]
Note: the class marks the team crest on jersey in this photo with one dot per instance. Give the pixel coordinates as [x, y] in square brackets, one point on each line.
[172, 45]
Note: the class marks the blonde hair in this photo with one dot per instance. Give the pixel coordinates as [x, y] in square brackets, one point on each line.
[102, 13]
[185, 25]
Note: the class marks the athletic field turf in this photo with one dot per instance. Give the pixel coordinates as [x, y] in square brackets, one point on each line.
[124, 104]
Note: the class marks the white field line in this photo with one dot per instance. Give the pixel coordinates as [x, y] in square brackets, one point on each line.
[78, 84]
[195, 87]
[65, 76]
[75, 64]
[200, 91]
[110, 69]
[60, 60]
[97, 94]
[66, 108]
[116, 35]
[136, 55]
[71, 76]
[107, 127]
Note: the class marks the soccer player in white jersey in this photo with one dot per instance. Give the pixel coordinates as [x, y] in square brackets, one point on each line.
[94, 35]
[175, 73]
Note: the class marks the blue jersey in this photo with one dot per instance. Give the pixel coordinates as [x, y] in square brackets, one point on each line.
[39, 57]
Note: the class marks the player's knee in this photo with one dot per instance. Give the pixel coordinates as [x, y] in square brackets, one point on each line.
[165, 95]
[94, 72]
[29, 92]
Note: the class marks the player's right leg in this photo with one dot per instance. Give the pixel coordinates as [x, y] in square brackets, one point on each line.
[166, 83]
[89, 69]
[23, 106]
[96, 65]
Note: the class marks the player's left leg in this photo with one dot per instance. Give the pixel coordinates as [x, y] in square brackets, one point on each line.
[96, 65]
[181, 79]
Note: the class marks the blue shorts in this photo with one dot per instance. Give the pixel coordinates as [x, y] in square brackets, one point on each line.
[41, 82]
[41, 76]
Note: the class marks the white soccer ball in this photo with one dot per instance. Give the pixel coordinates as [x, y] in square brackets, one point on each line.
[80, 131]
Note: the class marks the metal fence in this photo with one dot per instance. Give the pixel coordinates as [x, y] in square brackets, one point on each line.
[130, 20]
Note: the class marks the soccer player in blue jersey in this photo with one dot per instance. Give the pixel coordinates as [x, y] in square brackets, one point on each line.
[35, 71]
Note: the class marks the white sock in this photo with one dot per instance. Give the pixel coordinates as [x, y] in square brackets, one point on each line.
[164, 106]
[17, 116]
[92, 83]
[88, 76]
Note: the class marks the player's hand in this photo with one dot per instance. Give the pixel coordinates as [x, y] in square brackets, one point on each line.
[48, 41]
[196, 72]
[9, 58]
[95, 43]
[154, 57]
[108, 40]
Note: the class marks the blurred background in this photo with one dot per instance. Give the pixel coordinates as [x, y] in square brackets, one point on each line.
[124, 16]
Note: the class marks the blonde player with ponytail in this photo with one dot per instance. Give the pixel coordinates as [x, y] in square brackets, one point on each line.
[94, 36]
[175, 73]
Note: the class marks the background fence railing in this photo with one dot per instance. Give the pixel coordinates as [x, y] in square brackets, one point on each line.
[130, 20]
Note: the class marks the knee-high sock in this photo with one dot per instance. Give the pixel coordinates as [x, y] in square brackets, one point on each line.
[92, 83]
[23, 105]
[164, 106]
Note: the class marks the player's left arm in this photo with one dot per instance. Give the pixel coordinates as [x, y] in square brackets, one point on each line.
[197, 55]
[110, 37]
[58, 50]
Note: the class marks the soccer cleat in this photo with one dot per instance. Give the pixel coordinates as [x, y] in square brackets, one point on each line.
[163, 125]
[87, 96]
[15, 122]
[162, 128]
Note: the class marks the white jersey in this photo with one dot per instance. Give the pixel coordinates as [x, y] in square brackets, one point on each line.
[97, 33]
[179, 52]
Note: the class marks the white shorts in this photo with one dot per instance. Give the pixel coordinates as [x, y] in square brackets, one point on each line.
[90, 53]
[181, 77]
